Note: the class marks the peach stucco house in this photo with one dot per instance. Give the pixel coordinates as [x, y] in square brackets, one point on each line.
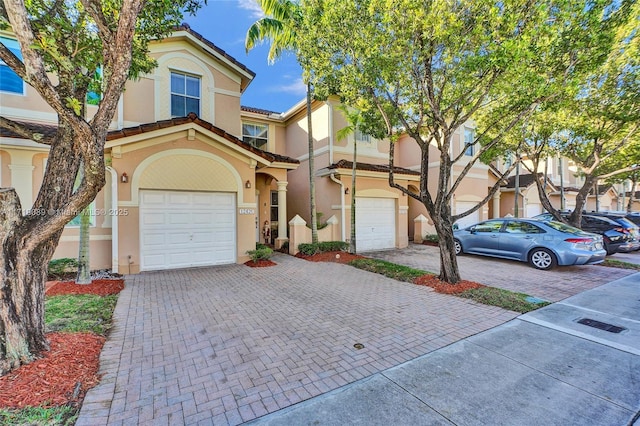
[182, 189]
[192, 189]
[384, 215]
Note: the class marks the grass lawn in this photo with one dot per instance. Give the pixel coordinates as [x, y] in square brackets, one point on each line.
[506, 299]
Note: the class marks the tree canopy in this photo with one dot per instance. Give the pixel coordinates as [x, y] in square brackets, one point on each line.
[429, 67]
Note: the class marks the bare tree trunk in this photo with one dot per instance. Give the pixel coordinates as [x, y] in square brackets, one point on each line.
[312, 173]
[84, 268]
[352, 239]
[27, 245]
[21, 287]
[449, 271]
[632, 193]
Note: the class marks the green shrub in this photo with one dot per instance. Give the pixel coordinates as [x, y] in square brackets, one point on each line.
[432, 238]
[63, 266]
[311, 249]
[333, 246]
[262, 253]
[261, 246]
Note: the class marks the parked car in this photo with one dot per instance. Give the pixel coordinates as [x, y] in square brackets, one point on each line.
[627, 225]
[542, 244]
[634, 217]
[614, 237]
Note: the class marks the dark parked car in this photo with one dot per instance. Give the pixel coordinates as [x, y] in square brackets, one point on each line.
[634, 217]
[625, 223]
[615, 238]
[542, 244]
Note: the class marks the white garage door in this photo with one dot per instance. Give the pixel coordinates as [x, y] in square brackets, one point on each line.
[472, 219]
[533, 209]
[375, 223]
[183, 229]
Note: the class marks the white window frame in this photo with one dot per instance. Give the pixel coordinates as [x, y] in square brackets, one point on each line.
[469, 151]
[184, 95]
[247, 137]
[362, 138]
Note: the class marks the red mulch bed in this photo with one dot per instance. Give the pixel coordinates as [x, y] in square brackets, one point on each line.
[331, 256]
[260, 263]
[72, 358]
[446, 288]
[100, 287]
[51, 380]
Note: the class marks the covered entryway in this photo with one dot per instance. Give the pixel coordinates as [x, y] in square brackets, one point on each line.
[180, 229]
[473, 218]
[375, 223]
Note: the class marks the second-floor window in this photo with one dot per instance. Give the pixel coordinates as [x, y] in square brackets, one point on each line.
[255, 134]
[185, 94]
[469, 137]
[362, 137]
[9, 80]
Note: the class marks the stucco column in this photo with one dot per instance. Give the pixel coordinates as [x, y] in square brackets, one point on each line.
[282, 214]
[496, 205]
[22, 177]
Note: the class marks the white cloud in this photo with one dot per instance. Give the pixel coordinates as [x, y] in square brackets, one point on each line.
[252, 7]
[296, 87]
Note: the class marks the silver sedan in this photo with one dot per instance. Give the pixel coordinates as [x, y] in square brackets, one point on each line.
[541, 244]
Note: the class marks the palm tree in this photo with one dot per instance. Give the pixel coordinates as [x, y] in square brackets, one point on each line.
[282, 19]
[353, 118]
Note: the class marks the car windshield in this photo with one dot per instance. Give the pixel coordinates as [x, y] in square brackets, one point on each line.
[562, 227]
[626, 222]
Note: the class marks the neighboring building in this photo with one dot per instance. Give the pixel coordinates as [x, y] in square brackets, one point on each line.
[183, 189]
[562, 181]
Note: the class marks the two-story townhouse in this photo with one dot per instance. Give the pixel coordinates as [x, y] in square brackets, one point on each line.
[384, 215]
[382, 212]
[185, 177]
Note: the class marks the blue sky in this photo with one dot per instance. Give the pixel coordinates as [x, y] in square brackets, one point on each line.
[225, 23]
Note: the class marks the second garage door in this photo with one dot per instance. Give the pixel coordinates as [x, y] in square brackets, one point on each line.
[375, 223]
[183, 229]
[472, 219]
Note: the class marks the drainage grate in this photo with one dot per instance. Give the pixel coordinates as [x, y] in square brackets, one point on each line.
[601, 325]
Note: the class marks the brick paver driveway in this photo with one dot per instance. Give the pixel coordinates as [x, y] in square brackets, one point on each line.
[554, 285]
[224, 345]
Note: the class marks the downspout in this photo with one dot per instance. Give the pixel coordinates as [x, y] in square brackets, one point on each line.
[330, 132]
[114, 219]
[343, 228]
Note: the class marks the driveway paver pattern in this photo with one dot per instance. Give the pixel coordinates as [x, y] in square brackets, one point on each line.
[553, 285]
[227, 344]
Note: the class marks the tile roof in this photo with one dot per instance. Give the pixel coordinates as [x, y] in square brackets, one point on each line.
[258, 110]
[185, 27]
[193, 118]
[524, 181]
[50, 130]
[382, 168]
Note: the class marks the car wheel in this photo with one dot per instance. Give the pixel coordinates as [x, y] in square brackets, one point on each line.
[458, 247]
[542, 259]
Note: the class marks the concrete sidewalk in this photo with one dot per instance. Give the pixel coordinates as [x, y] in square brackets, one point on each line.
[540, 368]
